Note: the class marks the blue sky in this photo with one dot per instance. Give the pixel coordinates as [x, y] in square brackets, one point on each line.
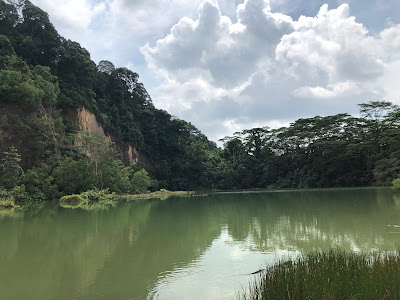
[228, 65]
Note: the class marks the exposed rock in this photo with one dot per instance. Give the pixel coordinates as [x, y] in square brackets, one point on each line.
[85, 121]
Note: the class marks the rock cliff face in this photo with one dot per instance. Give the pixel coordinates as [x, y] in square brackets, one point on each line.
[85, 121]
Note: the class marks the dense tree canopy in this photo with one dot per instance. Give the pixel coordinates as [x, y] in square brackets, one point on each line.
[338, 150]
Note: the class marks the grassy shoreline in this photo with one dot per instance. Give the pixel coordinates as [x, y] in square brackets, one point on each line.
[162, 194]
[104, 198]
[330, 275]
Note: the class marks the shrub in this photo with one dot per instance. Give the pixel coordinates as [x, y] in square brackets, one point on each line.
[98, 195]
[72, 199]
[74, 176]
[88, 196]
[140, 182]
[396, 184]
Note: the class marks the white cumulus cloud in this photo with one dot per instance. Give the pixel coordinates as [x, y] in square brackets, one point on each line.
[264, 67]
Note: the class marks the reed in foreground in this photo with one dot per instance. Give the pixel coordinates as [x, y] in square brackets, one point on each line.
[330, 275]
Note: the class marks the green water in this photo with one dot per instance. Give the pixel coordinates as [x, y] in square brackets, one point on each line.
[183, 248]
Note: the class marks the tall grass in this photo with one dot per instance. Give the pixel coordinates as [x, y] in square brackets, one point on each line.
[330, 275]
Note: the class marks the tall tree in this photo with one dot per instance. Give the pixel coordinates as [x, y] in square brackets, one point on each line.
[10, 170]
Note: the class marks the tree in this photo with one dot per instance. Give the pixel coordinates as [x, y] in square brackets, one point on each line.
[128, 77]
[74, 176]
[106, 66]
[47, 83]
[140, 182]
[10, 170]
[6, 49]
[8, 17]
[377, 115]
[98, 149]
[254, 139]
[376, 110]
[114, 176]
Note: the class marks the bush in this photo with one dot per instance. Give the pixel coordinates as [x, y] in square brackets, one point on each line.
[396, 184]
[72, 199]
[98, 195]
[20, 194]
[114, 176]
[88, 196]
[40, 184]
[74, 176]
[140, 182]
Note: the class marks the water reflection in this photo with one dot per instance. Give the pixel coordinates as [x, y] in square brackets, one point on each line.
[312, 220]
[199, 246]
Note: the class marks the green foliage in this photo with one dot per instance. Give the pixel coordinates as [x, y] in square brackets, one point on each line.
[90, 199]
[9, 17]
[6, 49]
[330, 151]
[74, 176]
[20, 194]
[10, 171]
[94, 146]
[73, 199]
[47, 83]
[396, 184]
[114, 176]
[330, 275]
[98, 195]
[40, 183]
[7, 203]
[106, 66]
[28, 96]
[140, 182]
[178, 154]
[21, 86]
[17, 89]
[385, 170]
[154, 185]
[4, 192]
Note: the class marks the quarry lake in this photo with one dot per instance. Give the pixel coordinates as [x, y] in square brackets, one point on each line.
[184, 248]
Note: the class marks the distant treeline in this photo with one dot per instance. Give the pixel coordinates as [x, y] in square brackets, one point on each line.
[332, 151]
[43, 76]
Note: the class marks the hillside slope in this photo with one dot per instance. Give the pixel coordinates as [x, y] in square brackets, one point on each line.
[76, 90]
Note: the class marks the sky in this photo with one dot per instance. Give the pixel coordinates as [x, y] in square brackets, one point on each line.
[229, 65]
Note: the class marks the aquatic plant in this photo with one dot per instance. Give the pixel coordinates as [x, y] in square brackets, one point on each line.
[330, 275]
[89, 200]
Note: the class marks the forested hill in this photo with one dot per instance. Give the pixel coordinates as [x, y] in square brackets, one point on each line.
[45, 79]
